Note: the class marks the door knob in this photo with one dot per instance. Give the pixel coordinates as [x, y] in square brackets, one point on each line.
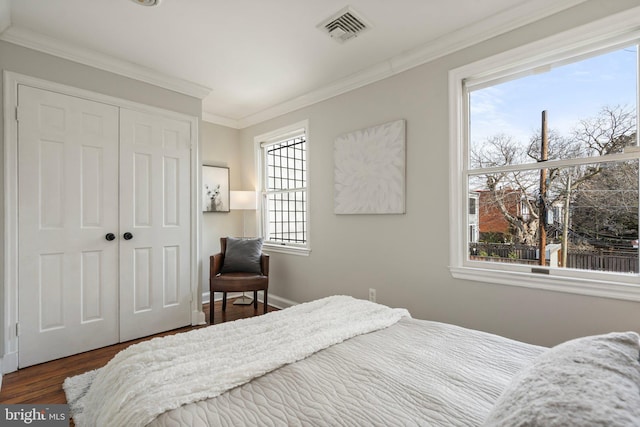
[127, 236]
[110, 236]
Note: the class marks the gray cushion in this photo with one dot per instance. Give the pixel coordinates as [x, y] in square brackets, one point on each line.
[590, 381]
[242, 255]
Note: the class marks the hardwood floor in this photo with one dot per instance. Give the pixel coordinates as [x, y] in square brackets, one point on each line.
[43, 383]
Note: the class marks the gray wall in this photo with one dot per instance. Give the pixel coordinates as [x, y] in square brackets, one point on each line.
[405, 257]
[220, 147]
[29, 62]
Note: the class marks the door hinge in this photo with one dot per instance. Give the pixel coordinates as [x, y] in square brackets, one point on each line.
[19, 113]
[17, 329]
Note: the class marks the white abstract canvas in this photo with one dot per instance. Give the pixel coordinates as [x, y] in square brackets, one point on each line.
[369, 175]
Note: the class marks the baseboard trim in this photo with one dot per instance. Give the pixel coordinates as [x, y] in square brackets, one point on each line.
[280, 302]
[274, 300]
[197, 318]
[206, 297]
[9, 363]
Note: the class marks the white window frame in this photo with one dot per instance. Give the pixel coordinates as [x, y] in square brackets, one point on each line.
[606, 33]
[261, 141]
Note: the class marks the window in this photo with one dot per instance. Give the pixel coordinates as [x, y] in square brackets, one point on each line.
[549, 146]
[473, 217]
[472, 205]
[284, 186]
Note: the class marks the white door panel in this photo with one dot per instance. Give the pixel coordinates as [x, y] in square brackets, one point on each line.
[86, 169]
[68, 202]
[155, 279]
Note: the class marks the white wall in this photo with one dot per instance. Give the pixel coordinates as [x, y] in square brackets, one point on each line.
[220, 147]
[405, 257]
[5, 15]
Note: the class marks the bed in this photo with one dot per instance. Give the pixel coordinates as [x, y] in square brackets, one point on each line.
[343, 361]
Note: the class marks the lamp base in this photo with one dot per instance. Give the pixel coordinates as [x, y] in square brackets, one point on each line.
[243, 300]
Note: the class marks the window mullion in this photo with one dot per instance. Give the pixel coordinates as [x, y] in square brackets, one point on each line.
[555, 164]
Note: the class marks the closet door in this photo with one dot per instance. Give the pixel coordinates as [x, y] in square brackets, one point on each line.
[68, 204]
[155, 224]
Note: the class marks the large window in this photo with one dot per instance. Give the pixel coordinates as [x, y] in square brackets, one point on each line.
[284, 188]
[545, 157]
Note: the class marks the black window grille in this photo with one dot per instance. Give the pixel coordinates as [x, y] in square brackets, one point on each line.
[286, 191]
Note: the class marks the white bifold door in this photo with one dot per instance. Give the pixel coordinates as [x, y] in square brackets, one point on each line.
[104, 224]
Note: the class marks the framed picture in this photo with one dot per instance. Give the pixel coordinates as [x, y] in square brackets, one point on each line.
[215, 189]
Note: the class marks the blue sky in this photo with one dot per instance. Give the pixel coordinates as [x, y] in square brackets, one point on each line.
[568, 93]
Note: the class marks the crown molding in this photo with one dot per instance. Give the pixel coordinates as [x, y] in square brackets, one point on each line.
[483, 30]
[371, 75]
[220, 120]
[491, 27]
[494, 26]
[35, 41]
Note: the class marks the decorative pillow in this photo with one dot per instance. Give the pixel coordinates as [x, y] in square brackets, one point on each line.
[242, 255]
[590, 381]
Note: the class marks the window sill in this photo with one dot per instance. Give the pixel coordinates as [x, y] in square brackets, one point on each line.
[552, 282]
[284, 249]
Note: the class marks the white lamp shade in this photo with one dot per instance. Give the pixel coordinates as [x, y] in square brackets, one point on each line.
[243, 200]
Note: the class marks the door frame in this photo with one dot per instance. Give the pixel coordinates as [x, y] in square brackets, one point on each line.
[11, 80]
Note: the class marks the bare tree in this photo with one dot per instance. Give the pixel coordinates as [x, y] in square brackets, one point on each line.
[509, 192]
[608, 132]
[604, 196]
[605, 207]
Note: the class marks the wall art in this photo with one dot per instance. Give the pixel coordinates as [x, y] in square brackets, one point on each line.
[369, 172]
[215, 189]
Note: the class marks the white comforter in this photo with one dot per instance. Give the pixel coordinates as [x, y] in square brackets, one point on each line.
[156, 376]
[413, 373]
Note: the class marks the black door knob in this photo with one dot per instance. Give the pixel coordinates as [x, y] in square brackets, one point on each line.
[110, 236]
[127, 236]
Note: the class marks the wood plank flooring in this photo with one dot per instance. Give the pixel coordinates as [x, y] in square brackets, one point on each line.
[43, 383]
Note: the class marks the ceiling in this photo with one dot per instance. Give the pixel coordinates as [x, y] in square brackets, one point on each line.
[253, 59]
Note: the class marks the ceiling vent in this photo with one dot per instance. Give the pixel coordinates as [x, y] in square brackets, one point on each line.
[344, 25]
[147, 2]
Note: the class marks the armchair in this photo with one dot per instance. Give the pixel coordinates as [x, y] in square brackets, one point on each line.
[246, 269]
